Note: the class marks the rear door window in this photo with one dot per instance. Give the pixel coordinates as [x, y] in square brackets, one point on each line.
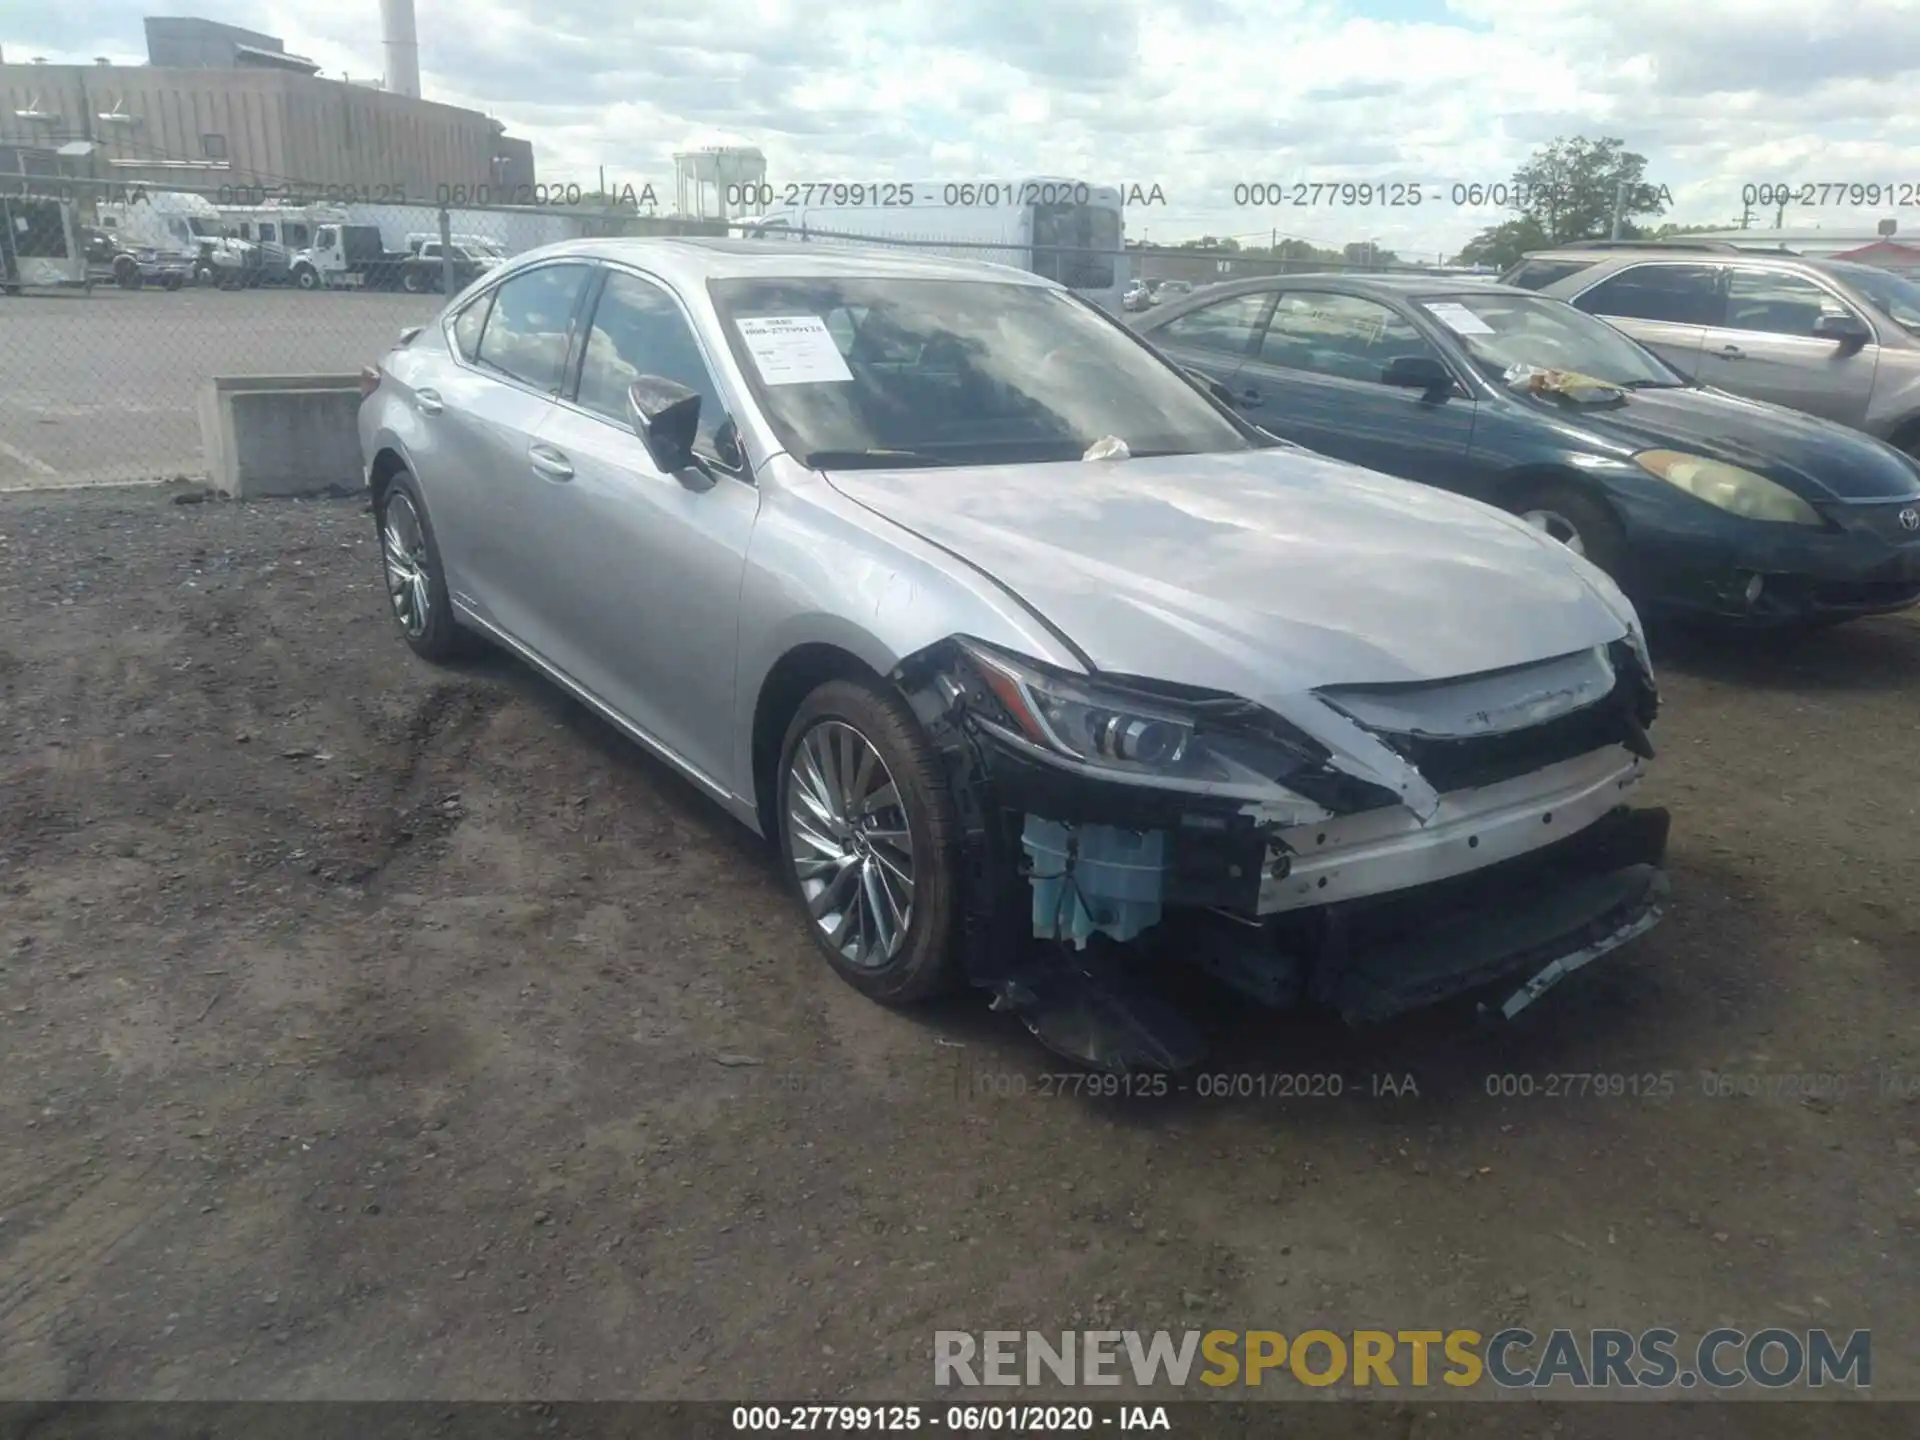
[1676, 294]
[526, 334]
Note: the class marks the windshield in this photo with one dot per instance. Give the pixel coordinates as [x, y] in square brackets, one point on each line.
[882, 372]
[1895, 296]
[206, 229]
[1499, 332]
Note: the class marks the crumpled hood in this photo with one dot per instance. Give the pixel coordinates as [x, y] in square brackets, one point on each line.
[1262, 573]
[1817, 459]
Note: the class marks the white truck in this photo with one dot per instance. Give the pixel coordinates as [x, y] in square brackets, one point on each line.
[279, 232]
[172, 222]
[1065, 229]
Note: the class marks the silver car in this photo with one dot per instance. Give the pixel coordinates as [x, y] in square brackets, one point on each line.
[1831, 337]
[1045, 672]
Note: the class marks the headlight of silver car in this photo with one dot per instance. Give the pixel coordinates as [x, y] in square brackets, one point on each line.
[1728, 487]
[1153, 740]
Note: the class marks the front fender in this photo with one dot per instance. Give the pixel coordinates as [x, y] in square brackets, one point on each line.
[822, 570]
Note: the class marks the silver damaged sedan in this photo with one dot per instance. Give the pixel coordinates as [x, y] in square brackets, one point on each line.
[1046, 673]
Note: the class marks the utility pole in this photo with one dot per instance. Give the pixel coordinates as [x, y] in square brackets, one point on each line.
[1619, 209]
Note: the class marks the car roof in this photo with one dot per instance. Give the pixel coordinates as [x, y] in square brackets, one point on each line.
[1696, 254]
[695, 259]
[1383, 287]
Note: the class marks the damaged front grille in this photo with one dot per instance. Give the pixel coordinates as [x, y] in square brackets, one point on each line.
[1468, 762]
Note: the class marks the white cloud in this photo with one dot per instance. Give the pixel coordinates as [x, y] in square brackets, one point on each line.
[1192, 95]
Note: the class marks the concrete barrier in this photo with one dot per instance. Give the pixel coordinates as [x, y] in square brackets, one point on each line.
[281, 434]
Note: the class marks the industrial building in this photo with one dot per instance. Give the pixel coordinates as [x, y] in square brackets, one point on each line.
[219, 107]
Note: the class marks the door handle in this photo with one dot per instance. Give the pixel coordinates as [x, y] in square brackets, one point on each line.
[549, 462]
[428, 401]
[1731, 352]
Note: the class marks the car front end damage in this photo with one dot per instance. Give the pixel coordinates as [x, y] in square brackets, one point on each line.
[1362, 849]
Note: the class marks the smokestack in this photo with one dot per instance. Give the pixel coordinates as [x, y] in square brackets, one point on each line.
[403, 47]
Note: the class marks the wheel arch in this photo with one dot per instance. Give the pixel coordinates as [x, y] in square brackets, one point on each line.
[796, 674]
[1511, 486]
[387, 463]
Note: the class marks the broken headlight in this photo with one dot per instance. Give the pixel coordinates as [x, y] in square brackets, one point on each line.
[1153, 738]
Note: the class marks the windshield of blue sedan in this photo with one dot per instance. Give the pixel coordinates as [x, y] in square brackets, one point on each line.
[882, 372]
[1505, 333]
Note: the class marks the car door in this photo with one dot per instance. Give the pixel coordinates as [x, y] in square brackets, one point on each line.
[644, 574]
[1765, 347]
[1316, 375]
[1215, 339]
[480, 413]
[1667, 306]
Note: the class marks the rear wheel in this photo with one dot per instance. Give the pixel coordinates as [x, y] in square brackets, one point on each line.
[868, 839]
[1577, 521]
[413, 282]
[416, 578]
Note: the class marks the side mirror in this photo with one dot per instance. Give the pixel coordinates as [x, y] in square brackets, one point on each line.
[1417, 372]
[1847, 329]
[666, 416]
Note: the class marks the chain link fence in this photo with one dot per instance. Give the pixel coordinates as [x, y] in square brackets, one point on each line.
[121, 301]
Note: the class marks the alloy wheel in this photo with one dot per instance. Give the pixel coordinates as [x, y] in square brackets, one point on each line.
[403, 542]
[851, 846]
[1558, 526]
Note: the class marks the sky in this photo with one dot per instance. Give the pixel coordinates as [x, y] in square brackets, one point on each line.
[1197, 97]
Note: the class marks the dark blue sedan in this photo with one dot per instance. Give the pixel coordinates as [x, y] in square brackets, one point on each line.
[1693, 499]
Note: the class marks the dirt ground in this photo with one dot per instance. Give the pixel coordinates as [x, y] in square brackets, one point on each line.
[376, 1032]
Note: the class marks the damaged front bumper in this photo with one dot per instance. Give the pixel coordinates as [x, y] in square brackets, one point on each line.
[1368, 905]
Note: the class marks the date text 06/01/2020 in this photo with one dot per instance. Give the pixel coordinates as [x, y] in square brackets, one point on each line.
[961, 1419]
[1224, 1085]
[291, 193]
[956, 194]
[1406, 194]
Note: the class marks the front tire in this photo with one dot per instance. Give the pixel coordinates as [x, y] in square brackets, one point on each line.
[306, 277]
[869, 842]
[416, 577]
[1578, 521]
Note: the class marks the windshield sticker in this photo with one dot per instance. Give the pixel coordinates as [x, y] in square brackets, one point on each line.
[794, 350]
[1459, 319]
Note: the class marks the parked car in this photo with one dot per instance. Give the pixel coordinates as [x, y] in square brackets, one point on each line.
[1137, 296]
[1012, 640]
[1165, 292]
[1691, 498]
[131, 269]
[1830, 337]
